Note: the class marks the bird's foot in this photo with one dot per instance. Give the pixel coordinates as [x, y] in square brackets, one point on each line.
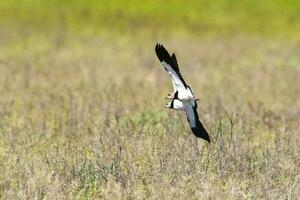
[170, 96]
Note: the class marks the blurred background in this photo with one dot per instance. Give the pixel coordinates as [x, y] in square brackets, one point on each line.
[82, 96]
[198, 17]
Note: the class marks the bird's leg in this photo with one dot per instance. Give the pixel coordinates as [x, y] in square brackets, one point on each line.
[193, 98]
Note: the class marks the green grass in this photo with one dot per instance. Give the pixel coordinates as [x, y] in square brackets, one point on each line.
[226, 17]
[81, 116]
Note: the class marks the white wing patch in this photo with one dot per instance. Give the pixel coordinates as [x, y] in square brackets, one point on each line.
[178, 104]
[177, 83]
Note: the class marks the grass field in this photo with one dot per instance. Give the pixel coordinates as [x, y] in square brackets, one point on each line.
[82, 97]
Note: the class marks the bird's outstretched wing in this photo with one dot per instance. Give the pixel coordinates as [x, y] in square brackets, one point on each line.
[171, 66]
[194, 122]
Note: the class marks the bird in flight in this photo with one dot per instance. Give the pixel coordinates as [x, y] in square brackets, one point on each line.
[182, 97]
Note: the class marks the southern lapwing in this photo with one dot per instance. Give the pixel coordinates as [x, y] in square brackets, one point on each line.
[182, 97]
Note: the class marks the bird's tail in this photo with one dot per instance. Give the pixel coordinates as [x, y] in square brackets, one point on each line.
[199, 131]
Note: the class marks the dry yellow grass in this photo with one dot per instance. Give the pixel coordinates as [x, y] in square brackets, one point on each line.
[83, 118]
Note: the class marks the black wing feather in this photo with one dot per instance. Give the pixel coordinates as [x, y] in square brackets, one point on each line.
[199, 130]
[163, 55]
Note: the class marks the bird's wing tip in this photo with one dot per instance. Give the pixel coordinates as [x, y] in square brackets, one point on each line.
[206, 138]
[162, 53]
[159, 46]
[200, 132]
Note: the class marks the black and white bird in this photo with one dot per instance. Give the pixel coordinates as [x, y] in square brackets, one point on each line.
[182, 97]
[175, 103]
